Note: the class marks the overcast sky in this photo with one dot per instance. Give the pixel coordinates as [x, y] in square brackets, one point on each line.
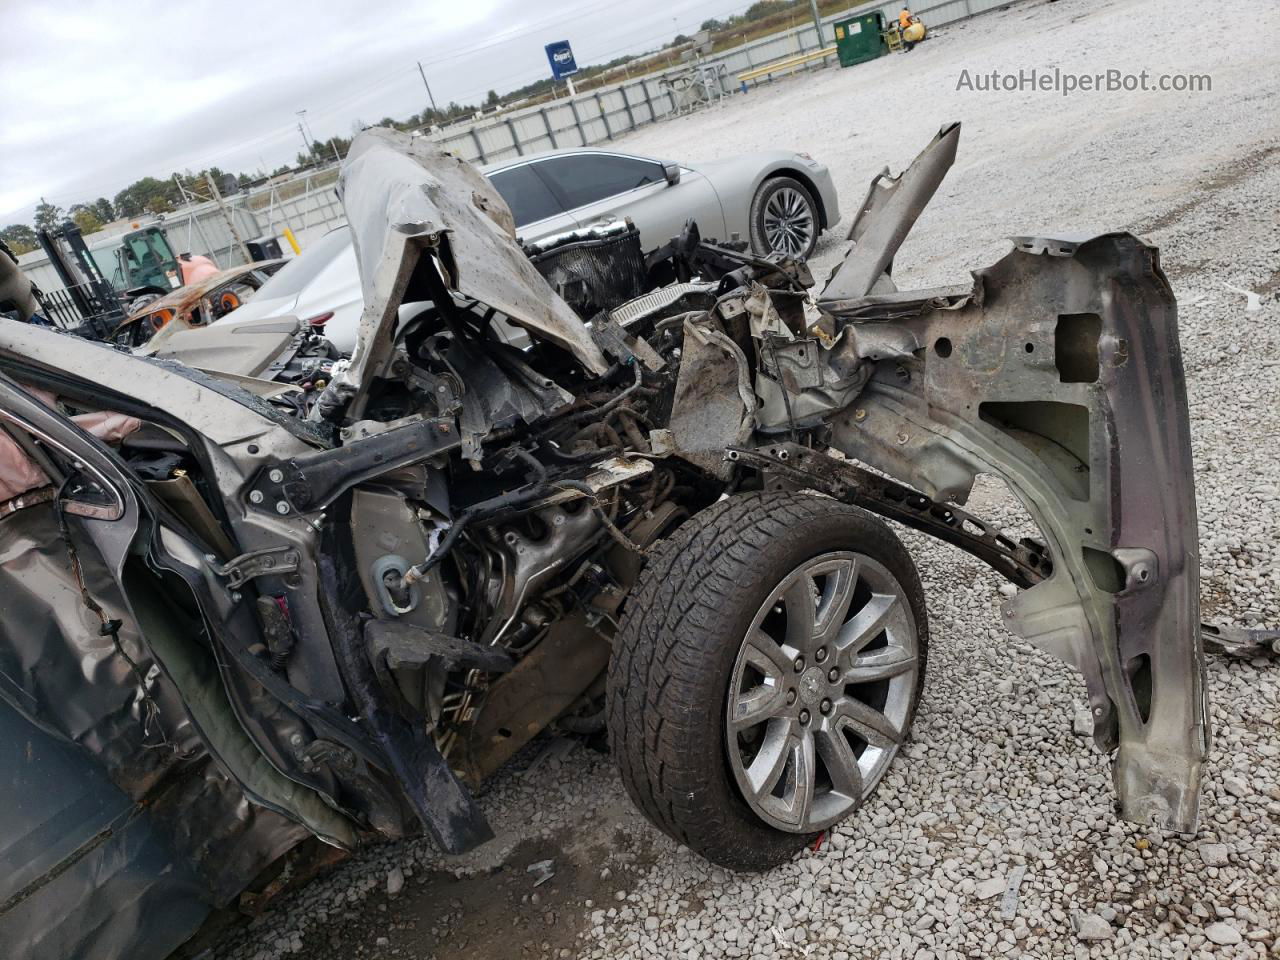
[94, 95]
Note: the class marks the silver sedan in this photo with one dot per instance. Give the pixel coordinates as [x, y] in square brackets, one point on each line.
[778, 201]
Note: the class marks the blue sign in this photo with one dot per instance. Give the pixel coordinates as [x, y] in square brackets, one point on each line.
[560, 55]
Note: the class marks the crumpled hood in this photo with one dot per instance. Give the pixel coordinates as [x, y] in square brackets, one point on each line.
[404, 198]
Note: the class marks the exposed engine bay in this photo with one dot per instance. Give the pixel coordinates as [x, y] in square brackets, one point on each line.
[357, 600]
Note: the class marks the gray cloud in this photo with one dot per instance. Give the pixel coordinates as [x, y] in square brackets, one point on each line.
[98, 94]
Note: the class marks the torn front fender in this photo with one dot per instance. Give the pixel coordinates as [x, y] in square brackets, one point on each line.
[1058, 370]
[1064, 378]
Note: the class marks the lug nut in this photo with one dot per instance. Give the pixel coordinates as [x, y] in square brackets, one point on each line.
[799, 664]
[821, 654]
[825, 707]
[791, 697]
[804, 716]
[834, 675]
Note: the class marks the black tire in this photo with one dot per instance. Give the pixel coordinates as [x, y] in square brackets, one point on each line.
[673, 655]
[769, 189]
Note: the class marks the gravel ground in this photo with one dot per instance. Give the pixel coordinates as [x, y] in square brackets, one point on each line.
[996, 791]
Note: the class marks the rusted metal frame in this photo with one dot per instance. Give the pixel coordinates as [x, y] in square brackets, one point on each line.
[1025, 563]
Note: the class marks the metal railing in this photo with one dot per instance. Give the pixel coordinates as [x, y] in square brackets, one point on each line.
[61, 309]
[607, 112]
[309, 206]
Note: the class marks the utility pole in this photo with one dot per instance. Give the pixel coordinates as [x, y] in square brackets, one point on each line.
[306, 126]
[307, 136]
[428, 86]
[231, 220]
[305, 142]
[817, 21]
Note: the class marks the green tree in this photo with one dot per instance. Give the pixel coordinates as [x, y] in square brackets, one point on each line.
[491, 100]
[103, 210]
[84, 217]
[20, 238]
[48, 215]
[144, 195]
[765, 8]
[713, 25]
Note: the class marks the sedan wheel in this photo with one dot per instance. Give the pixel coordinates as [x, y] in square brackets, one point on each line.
[784, 219]
[821, 691]
[766, 670]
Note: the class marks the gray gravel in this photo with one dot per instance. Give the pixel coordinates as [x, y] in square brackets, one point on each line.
[994, 834]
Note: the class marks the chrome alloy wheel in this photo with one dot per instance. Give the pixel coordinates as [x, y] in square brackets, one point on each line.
[789, 225]
[821, 691]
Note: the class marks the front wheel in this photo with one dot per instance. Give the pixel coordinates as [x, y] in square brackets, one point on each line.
[784, 219]
[766, 672]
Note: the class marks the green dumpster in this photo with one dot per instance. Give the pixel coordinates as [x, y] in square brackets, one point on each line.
[860, 38]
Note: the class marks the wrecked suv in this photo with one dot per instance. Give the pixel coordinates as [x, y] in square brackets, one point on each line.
[580, 488]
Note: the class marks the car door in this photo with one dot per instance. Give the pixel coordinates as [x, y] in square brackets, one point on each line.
[538, 212]
[598, 187]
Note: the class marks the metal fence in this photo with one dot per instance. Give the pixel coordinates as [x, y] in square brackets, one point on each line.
[308, 204]
[608, 112]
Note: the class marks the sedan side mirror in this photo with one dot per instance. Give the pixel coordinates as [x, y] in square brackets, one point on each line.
[672, 173]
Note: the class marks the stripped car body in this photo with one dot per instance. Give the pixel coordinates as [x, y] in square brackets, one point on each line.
[330, 625]
[197, 304]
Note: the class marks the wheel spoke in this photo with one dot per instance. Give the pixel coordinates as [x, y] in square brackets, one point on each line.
[800, 599]
[840, 578]
[867, 623]
[837, 756]
[867, 722]
[882, 664]
[757, 705]
[803, 763]
[771, 759]
[771, 658]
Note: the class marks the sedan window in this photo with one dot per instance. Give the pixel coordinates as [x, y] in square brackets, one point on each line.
[584, 178]
[526, 194]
